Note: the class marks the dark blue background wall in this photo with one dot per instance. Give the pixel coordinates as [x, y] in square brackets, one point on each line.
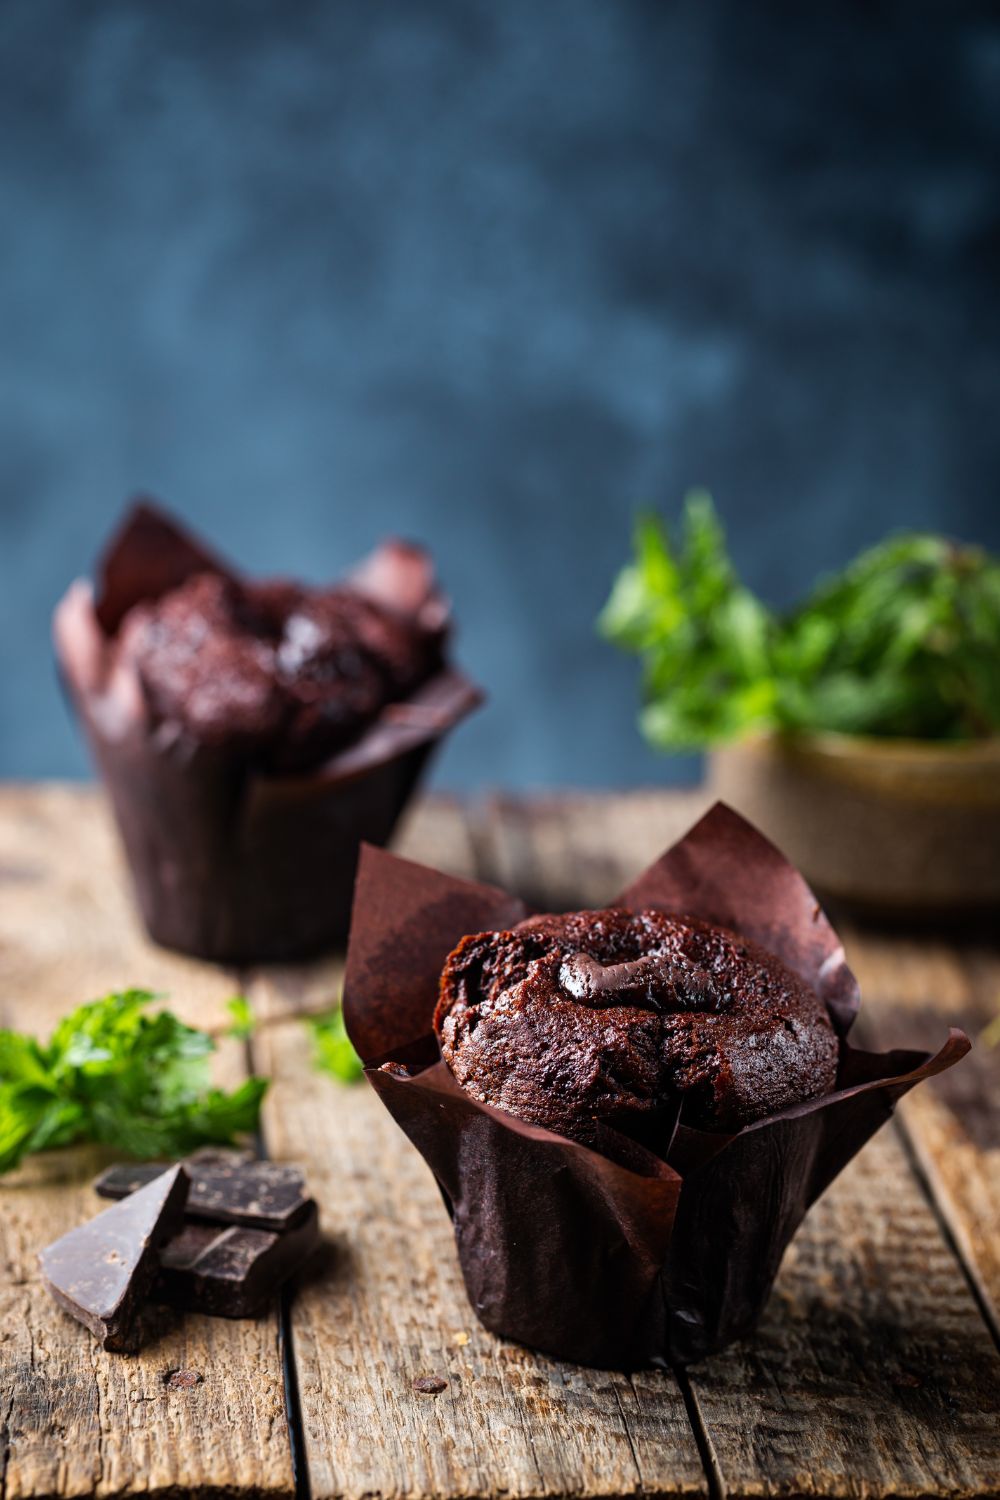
[493, 274]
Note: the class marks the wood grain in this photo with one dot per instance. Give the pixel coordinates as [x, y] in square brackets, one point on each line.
[388, 1308]
[73, 1419]
[580, 850]
[873, 1372]
[914, 987]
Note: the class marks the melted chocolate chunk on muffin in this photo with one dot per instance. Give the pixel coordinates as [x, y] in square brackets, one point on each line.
[611, 1016]
[274, 671]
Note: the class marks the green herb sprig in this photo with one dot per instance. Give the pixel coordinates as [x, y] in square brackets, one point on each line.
[905, 642]
[114, 1073]
[242, 1022]
[333, 1051]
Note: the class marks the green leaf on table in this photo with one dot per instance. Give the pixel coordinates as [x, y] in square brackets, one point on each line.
[243, 1021]
[116, 1073]
[333, 1051]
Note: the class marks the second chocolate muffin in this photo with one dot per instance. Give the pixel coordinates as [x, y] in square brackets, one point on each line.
[274, 672]
[615, 1017]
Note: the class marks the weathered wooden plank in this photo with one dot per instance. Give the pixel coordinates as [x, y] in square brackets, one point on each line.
[914, 986]
[580, 850]
[441, 832]
[872, 1372]
[435, 832]
[390, 1308]
[74, 1420]
[68, 928]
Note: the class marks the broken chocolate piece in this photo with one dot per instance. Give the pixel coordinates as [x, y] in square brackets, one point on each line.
[233, 1272]
[102, 1271]
[226, 1188]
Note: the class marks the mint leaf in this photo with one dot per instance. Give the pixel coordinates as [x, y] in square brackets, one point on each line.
[333, 1051]
[705, 641]
[243, 1022]
[115, 1073]
[904, 642]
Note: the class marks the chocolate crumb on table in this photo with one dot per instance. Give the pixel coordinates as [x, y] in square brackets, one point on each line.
[430, 1385]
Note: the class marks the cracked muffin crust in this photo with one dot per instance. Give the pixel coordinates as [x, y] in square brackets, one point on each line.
[614, 1017]
[275, 672]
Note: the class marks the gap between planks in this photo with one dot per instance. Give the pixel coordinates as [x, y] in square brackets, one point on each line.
[951, 1130]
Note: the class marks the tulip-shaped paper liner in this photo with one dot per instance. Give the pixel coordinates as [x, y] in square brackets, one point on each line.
[612, 1256]
[230, 862]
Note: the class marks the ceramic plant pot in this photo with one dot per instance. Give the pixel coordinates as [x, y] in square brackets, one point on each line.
[904, 827]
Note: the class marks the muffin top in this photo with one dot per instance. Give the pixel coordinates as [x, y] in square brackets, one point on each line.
[274, 672]
[616, 1017]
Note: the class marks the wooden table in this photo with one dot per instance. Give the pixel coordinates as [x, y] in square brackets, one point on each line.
[875, 1371]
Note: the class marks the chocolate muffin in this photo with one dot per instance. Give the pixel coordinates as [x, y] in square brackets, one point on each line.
[274, 672]
[614, 1017]
[253, 734]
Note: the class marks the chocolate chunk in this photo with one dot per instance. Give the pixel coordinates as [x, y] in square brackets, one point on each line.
[225, 1189]
[102, 1271]
[654, 980]
[233, 1272]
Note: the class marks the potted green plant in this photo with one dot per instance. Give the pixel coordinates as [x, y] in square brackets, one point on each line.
[859, 729]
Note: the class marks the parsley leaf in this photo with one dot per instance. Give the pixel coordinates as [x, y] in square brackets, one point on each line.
[114, 1073]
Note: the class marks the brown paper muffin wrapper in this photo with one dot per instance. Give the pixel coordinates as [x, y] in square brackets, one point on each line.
[229, 863]
[613, 1256]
